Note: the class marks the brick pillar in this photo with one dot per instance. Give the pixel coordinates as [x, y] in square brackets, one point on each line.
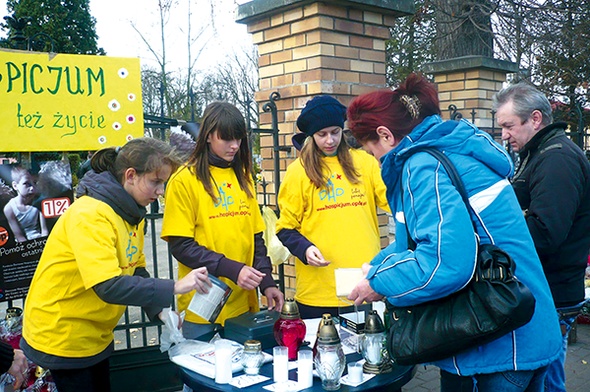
[307, 48]
[469, 83]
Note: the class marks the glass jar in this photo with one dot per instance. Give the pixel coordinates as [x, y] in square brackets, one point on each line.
[289, 330]
[329, 363]
[373, 347]
[329, 359]
[252, 357]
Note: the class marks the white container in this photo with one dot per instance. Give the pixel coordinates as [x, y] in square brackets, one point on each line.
[305, 369]
[355, 372]
[280, 361]
[223, 364]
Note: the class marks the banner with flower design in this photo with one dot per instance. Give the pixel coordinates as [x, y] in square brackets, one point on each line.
[66, 102]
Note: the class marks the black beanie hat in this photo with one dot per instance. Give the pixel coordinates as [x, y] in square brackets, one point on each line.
[319, 112]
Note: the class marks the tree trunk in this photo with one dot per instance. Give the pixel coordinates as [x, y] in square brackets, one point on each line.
[463, 28]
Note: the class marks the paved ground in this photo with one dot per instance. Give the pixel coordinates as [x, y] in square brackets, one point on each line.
[577, 368]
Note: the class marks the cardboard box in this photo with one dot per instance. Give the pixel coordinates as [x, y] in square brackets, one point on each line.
[354, 321]
[257, 326]
[352, 326]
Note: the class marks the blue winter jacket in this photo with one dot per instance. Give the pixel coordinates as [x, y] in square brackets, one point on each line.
[445, 255]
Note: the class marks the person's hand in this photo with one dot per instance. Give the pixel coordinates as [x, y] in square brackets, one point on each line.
[18, 368]
[249, 278]
[274, 298]
[162, 316]
[197, 279]
[363, 291]
[314, 257]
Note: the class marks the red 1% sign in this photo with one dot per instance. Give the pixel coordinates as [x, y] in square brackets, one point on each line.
[55, 207]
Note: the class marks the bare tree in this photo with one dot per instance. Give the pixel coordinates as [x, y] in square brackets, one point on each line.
[235, 81]
[192, 41]
[164, 7]
[549, 40]
[168, 87]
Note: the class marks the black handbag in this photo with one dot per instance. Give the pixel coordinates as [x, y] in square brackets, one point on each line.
[492, 304]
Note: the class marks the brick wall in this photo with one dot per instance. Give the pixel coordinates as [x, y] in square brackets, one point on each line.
[469, 83]
[335, 48]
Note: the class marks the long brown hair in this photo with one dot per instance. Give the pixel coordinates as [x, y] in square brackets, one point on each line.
[229, 123]
[317, 170]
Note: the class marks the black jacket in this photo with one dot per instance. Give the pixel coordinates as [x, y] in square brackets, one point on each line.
[552, 184]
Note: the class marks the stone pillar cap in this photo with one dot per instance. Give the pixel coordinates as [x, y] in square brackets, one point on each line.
[469, 62]
[256, 9]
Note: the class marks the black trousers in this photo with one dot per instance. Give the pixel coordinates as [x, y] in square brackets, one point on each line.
[91, 379]
[309, 312]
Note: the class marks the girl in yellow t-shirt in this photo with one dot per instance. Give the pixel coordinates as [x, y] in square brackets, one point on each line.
[93, 265]
[329, 196]
[212, 219]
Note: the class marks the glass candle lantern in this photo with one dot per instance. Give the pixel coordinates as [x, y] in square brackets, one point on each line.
[329, 359]
[373, 346]
[325, 316]
[252, 357]
[289, 330]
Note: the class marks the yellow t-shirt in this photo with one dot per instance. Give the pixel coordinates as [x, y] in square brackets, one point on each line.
[340, 221]
[225, 227]
[89, 244]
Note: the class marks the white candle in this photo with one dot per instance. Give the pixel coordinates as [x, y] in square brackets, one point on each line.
[355, 372]
[280, 364]
[223, 364]
[304, 369]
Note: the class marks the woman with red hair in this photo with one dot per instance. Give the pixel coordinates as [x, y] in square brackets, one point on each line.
[428, 208]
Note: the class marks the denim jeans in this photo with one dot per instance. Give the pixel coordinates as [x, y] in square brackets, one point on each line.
[509, 381]
[555, 380]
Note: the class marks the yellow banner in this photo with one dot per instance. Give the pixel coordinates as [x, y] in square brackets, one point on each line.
[65, 102]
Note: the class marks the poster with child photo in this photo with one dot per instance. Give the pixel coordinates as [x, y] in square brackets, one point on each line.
[31, 200]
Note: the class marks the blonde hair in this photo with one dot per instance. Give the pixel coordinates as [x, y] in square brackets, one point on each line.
[317, 170]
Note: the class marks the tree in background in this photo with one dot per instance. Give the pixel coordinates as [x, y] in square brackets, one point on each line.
[562, 68]
[236, 81]
[463, 28]
[69, 24]
[549, 40]
[411, 44]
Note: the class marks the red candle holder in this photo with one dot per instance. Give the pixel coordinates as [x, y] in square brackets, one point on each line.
[289, 330]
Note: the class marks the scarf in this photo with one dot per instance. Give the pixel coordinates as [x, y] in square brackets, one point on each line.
[105, 187]
[217, 161]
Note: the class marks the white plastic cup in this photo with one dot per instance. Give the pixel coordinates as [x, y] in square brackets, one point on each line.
[280, 361]
[223, 361]
[305, 369]
[355, 372]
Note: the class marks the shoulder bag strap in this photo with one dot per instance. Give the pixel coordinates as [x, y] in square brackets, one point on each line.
[455, 179]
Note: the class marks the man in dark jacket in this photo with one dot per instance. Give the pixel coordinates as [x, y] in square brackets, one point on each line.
[552, 184]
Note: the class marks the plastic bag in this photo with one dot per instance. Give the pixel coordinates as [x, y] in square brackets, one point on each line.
[200, 356]
[171, 334]
[36, 378]
[277, 252]
[11, 327]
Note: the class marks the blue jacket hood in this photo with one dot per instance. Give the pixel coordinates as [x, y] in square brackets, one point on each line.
[459, 137]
